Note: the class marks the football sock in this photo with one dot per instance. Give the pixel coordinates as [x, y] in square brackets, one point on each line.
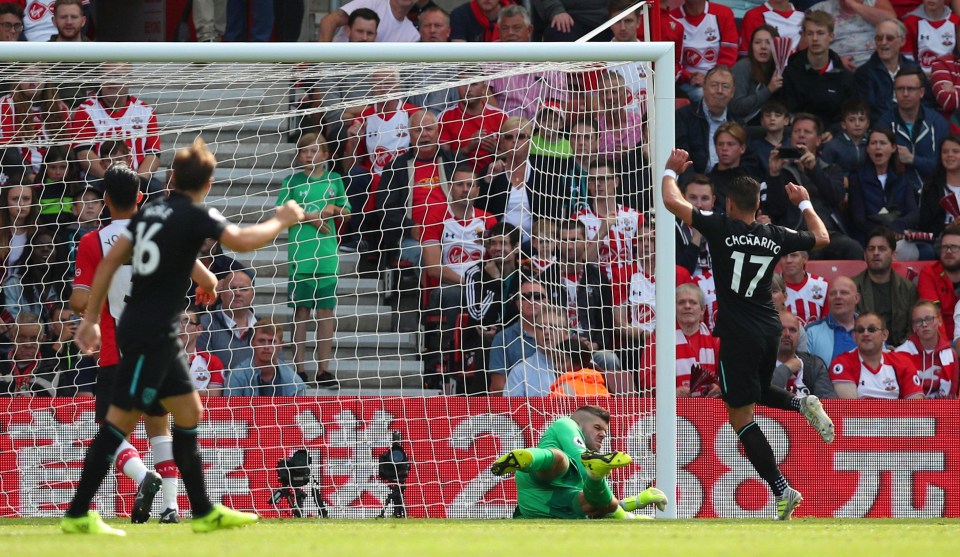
[777, 397]
[796, 402]
[162, 446]
[187, 456]
[596, 492]
[127, 460]
[758, 450]
[621, 513]
[542, 460]
[95, 466]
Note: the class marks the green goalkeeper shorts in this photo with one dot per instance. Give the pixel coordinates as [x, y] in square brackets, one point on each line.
[539, 499]
[315, 292]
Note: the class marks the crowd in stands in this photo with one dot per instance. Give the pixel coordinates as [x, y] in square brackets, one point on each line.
[522, 205]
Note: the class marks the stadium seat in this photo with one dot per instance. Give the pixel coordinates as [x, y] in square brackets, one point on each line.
[910, 270]
[837, 268]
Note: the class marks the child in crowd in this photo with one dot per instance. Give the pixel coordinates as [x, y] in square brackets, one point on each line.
[550, 139]
[849, 148]
[774, 117]
[57, 186]
[314, 261]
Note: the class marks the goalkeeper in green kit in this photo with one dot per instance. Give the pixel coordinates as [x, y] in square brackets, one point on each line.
[565, 475]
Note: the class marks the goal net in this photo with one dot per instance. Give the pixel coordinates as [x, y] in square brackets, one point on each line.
[480, 261]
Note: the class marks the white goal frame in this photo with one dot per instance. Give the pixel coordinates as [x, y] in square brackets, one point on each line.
[661, 132]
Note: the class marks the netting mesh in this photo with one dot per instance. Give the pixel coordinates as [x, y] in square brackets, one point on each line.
[499, 241]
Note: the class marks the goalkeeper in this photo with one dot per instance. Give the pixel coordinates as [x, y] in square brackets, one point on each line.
[565, 475]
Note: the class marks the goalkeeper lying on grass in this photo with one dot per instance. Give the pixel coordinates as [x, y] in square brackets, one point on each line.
[565, 477]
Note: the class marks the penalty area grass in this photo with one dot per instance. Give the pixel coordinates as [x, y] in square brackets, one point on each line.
[492, 538]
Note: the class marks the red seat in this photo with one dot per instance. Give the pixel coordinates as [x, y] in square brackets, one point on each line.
[833, 269]
[910, 270]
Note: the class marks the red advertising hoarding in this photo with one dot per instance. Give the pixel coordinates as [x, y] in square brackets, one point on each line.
[890, 459]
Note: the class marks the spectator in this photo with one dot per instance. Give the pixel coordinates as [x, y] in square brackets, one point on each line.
[612, 228]
[855, 22]
[567, 21]
[258, 12]
[210, 20]
[76, 374]
[362, 26]
[943, 184]
[833, 335]
[520, 187]
[476, 21]
[575, 378]
[434, 25]
[774, 118]
[57, 186]
[709, 40]
[875, 76]
[381, 131]
[806, 292]
[937, 282]
[945, 79]
[415, 15]
[931, 32]
[434, 28]
[517, 342]
[549, 137]
[40, 280]
[800, 373]
[697, 122]
[733, 159]
[692, 251]
[918, 130]
[870, 371]
[28, 367]
[882, 291]
[879, 195]
[490, 290]
[11, 21]
[116, 150]
[115, 114]
[634, 74]
[755, 78]
[697, 350]
[69, 19]
[585, 143]
[470, 128]
[621, 129]
[313, 251]
[18, 221]
[849, 149]
[778, 292]
[781, 19]
[934, 360]
[543, 245]
[815, 79]
[394, 26]
[533, 375]
[31, 115]
[226, 333]
[411, 188]
[206, 370]
[264, 373]
[521, 95]
[584, 290]
[87, 211]
[826, 190]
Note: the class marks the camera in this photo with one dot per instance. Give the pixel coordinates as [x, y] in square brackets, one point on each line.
[790, 153]
[294, 474]
[393, 468]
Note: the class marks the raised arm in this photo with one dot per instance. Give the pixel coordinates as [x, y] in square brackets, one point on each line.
[677, 164]
[798, 195]
[256, 236]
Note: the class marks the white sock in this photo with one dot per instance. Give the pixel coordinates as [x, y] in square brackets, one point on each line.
[128, 461]
[163, 461]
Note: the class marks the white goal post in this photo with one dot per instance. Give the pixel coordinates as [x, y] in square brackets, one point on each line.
[660, 138]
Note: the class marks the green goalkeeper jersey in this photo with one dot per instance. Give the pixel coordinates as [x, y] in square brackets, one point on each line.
[312, 252]
[555, 499]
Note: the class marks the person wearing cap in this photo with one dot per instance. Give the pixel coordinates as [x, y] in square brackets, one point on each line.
[549, 139]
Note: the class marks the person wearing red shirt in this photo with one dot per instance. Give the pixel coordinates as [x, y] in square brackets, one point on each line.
[931, 33]
[115, 114]
[779, 14]
[806, 292]
[697, 350]
[470, 128]
[869, 371]
[709, 39]
[934, 360]
[205, 368]
[938, 282]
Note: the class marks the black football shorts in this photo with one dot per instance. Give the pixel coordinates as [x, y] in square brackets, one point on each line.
[152, 368]
[746, 367]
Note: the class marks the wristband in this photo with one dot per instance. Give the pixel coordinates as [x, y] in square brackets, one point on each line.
[804, 205]
[671, 174]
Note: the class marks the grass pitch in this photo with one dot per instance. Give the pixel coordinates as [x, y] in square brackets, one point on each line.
[498, 538]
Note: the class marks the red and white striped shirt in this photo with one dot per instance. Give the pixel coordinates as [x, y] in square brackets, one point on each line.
[620, 245]
[928, 40]
[709, 287]
[808, 299]
[386, 135]
[461, 241]
[788, 24]
[946, 73]
[894, 378]
[709, 39]
[134, 122]
[937, 368]
[457, 128]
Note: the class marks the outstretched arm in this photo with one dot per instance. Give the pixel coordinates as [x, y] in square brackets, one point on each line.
[256, 236]
[672, 198]
[799, 194]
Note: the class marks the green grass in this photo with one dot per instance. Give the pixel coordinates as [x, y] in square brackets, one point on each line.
[499, 538]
